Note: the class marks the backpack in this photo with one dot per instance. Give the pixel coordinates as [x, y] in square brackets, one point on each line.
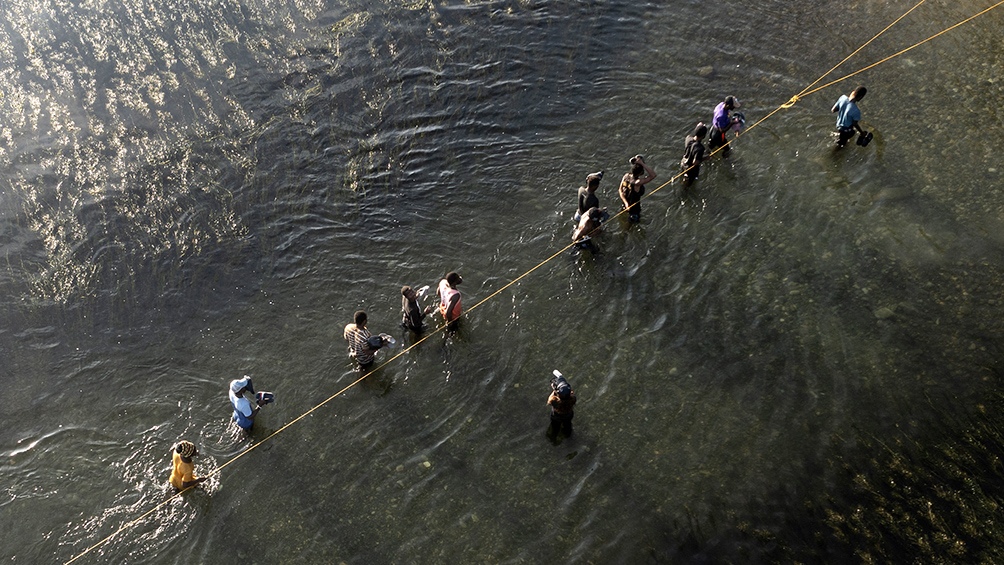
[690, 154]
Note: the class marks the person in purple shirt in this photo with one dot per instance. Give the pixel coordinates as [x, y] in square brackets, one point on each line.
[720, 124]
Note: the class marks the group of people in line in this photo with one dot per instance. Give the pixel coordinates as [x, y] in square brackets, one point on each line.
[589, 217]
[363, 347]
[183, 472]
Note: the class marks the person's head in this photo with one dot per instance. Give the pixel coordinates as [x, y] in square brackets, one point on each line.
[359, 318]
[408, 292]
[593, 180]
[595, 215]
[637, 168]
[186, 449]
[238, 386]
[731, 102]
[453, 278]
[859, 93]
[700, 130]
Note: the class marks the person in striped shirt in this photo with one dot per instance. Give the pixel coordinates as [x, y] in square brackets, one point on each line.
[363, 345]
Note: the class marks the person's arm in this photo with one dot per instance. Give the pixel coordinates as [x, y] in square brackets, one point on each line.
[420, 312]
[250, 410]
[857, 126]
[580, 230]
[361, 338]
[649, 172]
[553, 399]
[449, 307]
[413, 313]
[836, 106]
[350, 338]
[189, 479]
[623, 194]
[193, 482]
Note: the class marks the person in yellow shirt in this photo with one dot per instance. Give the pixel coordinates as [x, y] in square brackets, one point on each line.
[183, 475]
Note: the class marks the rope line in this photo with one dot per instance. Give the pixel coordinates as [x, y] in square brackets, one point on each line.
[790, 103]
[809, 90]
[897, 54]
[855, 52]
[254, 446]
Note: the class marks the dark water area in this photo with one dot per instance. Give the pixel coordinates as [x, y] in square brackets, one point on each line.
[795, 359]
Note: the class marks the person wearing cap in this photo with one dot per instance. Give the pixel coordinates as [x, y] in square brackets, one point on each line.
[358, 337]
[632, 186]
[562, 403]
[449, 298]
[244, 412]
[183, 474]
[587, 195]
[848, 115]
[412, 313]
[589, 224]
[693, 153]
[721, 123]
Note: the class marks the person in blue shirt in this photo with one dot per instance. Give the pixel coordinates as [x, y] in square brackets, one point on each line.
[848, 115]
[244, 412]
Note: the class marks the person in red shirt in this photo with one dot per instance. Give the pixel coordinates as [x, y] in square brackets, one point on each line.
[449, 299]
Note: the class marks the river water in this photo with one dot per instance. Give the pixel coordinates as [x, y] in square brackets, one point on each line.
[798, 358]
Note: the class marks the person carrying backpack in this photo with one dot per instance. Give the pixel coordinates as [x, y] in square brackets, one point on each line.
[693, 153]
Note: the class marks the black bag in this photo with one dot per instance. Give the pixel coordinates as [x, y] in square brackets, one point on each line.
[864, 138]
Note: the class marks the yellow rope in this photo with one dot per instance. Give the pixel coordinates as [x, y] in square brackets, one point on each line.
[791, 102]
[897, 54]
[217, 470]
[855, 52]
[805, 91]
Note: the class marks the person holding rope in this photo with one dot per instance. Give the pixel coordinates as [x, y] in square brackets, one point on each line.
[363, 345]
[244, 413]
[589, 223]
[721, 123]
[848, 116]
[693, 153]
[587, 195]
[449, 299]
[412, 312]
[633, 186]
[183, 474]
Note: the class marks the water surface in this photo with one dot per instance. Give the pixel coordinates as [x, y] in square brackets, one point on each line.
[795, 359]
